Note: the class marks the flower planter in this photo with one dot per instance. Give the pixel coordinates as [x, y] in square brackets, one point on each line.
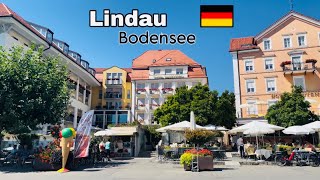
[205, 163]
[44, 166]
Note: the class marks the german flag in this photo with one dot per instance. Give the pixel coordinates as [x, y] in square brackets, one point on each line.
[216, 15]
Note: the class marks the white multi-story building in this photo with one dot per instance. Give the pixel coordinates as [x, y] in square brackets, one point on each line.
[155, 76]
[14, 30]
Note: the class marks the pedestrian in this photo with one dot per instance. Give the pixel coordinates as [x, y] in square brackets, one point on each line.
[240, 146]
[107, 148]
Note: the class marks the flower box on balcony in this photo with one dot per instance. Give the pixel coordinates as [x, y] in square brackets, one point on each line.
[167, 89]
[154, 89]
[141, 105]
[285, 63]
[311, 61]
[156, 105]
[141, 90]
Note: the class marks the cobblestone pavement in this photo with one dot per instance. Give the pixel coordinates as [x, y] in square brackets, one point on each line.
[145, 168]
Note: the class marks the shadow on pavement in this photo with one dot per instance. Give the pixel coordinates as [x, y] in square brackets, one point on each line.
[88, 168]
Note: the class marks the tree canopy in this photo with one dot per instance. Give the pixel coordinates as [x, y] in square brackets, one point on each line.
[208, 107]
[292, 109]
[33, 89]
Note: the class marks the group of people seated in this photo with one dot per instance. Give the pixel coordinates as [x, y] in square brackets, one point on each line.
[19, 154]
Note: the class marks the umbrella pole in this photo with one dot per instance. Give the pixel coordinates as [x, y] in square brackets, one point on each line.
[257, 141]
[262, 140]
[274, 138]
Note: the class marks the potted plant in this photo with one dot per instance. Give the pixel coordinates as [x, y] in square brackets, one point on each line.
[203, 156]
[285, 63]
[313, 61]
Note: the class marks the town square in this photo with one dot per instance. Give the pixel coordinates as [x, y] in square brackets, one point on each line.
[162, 90]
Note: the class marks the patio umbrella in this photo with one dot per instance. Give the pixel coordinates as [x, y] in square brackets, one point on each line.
[298, 130]
[315, 126]
[211, 127]
[106, 132]
[192, 121]
[252, 124]
[257, 131]
[181, 126]
[246, 105]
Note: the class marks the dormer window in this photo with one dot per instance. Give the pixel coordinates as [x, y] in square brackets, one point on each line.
[267, 44]
[66, 48]
[49, 36]
[154, 61]
[168, 59]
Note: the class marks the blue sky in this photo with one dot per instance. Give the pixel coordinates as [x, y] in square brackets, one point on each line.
[68, 19]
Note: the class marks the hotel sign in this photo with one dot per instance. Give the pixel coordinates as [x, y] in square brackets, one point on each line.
[305, 94]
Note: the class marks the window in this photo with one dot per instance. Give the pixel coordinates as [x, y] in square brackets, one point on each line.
[271, 85]
[140, 117]
[253, 110]
[156, 71]
[154, 85]
[251, 86]
[272, 102]
[179, 71]
[141, 102]
[109, 105]
[168, 59]
[100, 94]
[299, 81]
[267, 44]
[287, 42]
[65, 49]
[167, 85]
[296, 63]
[180, 84]
[249, 65]
[140, 86]
[168, 71]
[114, 78]
[302, 40]
[155, 101]
[128, 94]
[109, 78]
[120, 78]
[118, 105]
[268, 64]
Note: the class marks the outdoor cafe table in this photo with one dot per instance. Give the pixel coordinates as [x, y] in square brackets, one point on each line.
[263, 152]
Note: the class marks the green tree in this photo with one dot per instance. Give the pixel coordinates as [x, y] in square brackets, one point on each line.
[33, 90]
[206, 105]
[225, 114]
[292, 109]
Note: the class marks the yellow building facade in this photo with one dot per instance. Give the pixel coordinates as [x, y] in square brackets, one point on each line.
[269, 64]
[115, 90]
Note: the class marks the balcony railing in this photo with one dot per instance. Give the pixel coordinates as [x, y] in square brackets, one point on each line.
[111, 95]
[170, 76]
[167, 90]
[291, 68]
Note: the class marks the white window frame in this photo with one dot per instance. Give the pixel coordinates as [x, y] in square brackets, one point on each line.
[275, 84]
[292, 63]
[166, 72]
[304, 81]
[255, 88]
[270, 44]
[256, 110]
[272, 59]
[245, 66]
[156, 70]
[319, 37]
[290, 41]
[305, 40]
[179, 70]
[272, 101]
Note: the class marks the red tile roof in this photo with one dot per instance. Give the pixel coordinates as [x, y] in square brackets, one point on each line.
[142, 63]
[244, 43]
[100, 70]
[159, 58]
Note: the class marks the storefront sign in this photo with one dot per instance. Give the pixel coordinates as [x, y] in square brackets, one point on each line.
[305, 94]
[82, 142]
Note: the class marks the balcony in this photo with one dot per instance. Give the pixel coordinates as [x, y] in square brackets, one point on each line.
[113, 95]
[169, 76]
[296, 68]
[167, 91]
[141, 108]
[154, 106]
[141, 92]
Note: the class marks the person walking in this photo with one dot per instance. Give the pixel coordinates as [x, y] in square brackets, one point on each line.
[107, 148]
[240, 146]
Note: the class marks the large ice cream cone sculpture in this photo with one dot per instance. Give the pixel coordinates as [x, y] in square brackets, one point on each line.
[66, 143]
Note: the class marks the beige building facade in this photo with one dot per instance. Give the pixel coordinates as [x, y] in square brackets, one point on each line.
[269, 64]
